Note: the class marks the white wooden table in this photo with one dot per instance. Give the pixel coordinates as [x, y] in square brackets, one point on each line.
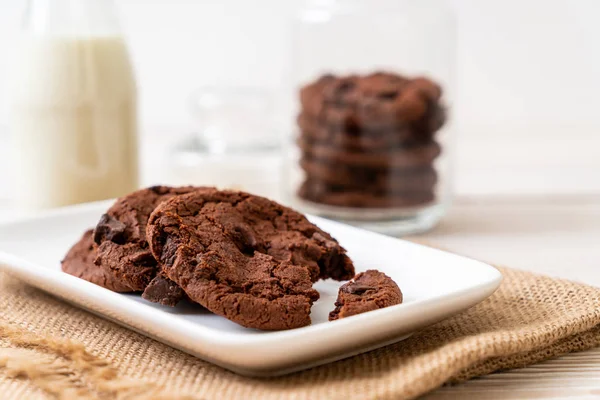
[558, 236]
[555, 236]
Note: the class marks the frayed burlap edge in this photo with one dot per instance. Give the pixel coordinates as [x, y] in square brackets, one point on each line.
[70, 372]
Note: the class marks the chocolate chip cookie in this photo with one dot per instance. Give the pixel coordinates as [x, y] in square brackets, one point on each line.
[357, 138]
[402, 157]
[123, 251]
[380, 99]
[333, 195]
[368, 291]
[79, 262]
[245, 257]
[371, 180]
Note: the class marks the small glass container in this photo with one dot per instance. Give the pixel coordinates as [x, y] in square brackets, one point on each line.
[236, 143]
[234, 118]
[373, 83]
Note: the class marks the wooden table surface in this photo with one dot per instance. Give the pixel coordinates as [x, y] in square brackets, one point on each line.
[550, 235]
[557, 236]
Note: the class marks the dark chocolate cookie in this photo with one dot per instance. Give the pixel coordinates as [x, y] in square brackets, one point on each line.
[402, 157]
[319, 192]
[373, 101]
[368, 291]
[245, 257]
[123, 251]
[391, 180]
[79, 262]
[360, 139]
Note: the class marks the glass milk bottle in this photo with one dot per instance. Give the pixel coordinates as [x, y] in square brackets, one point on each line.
[73, 115]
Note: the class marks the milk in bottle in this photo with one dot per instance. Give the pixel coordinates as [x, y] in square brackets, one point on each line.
[73, 108]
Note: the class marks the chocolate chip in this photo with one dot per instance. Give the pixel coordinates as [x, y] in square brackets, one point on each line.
[168, 248]
[111, 229]
[388, 94]
[158, 189]
[244, 238]
[345, 86]
[164, 291]
[357, 288]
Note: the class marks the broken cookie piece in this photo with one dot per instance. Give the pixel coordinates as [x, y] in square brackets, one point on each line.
[368, 291]
[164, 291]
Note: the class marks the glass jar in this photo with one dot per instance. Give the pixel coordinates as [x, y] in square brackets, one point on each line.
[236, 143]
[73, 103]
[373, 83]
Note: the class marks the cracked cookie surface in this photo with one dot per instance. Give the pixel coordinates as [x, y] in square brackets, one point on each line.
[245, 257]
[368, 291]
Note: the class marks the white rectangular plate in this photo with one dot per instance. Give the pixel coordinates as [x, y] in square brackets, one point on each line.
[435, 284]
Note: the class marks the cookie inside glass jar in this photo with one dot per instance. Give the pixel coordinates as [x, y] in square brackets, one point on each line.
[369, 141]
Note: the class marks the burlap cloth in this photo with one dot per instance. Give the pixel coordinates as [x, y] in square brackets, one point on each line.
[49, 349]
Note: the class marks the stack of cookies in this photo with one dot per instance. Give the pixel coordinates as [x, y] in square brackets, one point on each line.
[369, 141]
